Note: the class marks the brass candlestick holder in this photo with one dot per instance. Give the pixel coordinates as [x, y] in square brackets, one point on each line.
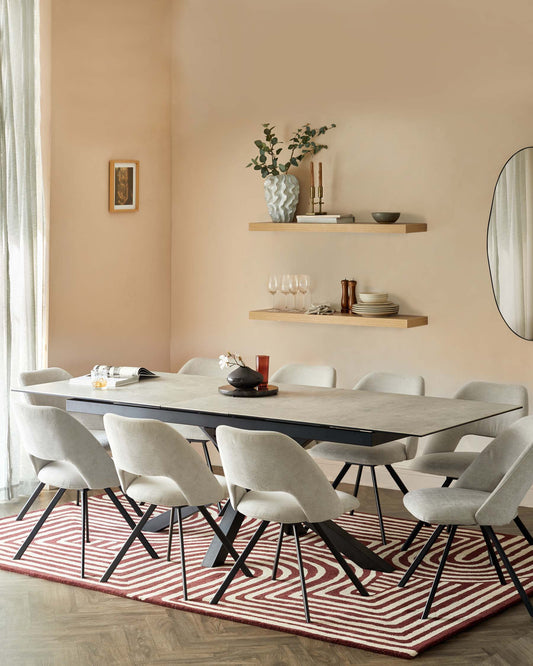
[320, 201]
[318, 191]
[311, 210]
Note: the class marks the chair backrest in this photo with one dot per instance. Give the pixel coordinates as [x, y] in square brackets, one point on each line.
[34, 377]
[389, 382]
[49, 434]
[271, 461]
[306, 375]
[511, 394]
[149, 448]
[504, 469]
[208, 367]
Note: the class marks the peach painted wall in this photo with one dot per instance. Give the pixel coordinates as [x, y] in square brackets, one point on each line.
[110, 99]
[430, 100]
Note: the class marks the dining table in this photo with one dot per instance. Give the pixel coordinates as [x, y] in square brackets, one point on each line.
[305, 413]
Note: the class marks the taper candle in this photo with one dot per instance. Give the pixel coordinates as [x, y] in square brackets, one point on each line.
[312, 175]
[320, 174]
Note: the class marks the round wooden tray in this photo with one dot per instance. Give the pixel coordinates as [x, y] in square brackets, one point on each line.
[247, 393]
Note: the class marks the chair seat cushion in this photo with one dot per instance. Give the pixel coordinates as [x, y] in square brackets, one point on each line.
[163, 491]
[445, 506]
[101, 436]
[190, 432]
[382, 454]
[62, 474]
[281, 507]
[449, 463]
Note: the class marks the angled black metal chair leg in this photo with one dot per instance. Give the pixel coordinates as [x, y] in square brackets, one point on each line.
[302, 572]
[222, 511]
[522, 528]
[133, 504]
[378, 505]
[396, 478]
[357, 484]
[85, 498]
[438, 575]
[416, 529]
[30, 501]
[340, 476]
[84, 529]
[492, 555]
[182, 555]
[241, 559]
[134, 534]
[447, 481]
[39, 523]
[511, 571]
[278, 552]
[130, 522]
[225, 541]
[317, 527]
[421, 556]
[77, 497]
[170, 531]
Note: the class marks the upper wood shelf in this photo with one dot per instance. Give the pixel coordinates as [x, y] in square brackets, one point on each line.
[393, 321]
[357, 228]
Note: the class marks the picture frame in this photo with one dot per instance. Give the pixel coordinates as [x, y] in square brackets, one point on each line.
[123, 186]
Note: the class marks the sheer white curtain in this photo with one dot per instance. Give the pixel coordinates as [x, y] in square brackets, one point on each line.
[510, 243]
[21, 225]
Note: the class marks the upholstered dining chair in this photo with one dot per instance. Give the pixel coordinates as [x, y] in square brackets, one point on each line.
[487, 494]
[263, 484]
[66, 455]
[158, 466]
[383, 454]
[208, 367]
[306, 375]
[91, 421]
[444, 453]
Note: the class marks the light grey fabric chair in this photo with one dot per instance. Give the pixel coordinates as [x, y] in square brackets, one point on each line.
[371, 456]
[270, 477]
[208, 367]
[157, 465]
[306, 375]
[91, 421]
[488, 493]
[441, 457]
[66, 455]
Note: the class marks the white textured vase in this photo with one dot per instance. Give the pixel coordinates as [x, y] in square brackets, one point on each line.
[281, 194]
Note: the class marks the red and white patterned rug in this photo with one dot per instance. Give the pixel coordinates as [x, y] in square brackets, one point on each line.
[388, 621]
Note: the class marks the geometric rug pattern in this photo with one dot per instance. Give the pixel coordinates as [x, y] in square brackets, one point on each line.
[388, 621]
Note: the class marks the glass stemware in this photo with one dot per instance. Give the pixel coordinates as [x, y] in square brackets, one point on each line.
[273, 287]
[293, 288]
[304, 282]
[285, 289]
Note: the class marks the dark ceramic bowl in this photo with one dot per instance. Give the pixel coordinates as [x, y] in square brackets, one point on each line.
[385, 218]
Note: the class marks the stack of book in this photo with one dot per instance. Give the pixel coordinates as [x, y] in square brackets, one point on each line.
[325, 219]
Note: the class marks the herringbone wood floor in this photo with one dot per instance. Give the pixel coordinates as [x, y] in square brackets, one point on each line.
[49, 624]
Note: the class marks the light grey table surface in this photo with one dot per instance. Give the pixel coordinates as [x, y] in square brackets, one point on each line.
[342, 408]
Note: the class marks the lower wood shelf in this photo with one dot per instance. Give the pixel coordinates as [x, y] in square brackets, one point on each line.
[340, 318]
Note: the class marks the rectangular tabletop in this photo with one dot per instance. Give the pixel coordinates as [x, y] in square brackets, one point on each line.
[309, 411]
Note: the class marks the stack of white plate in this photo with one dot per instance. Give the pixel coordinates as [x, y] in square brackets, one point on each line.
[375, 309]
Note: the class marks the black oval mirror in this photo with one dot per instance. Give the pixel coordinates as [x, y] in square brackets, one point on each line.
[510, 243]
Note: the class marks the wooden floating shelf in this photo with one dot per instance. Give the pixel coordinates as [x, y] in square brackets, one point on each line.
[344, 319]
[353, 228]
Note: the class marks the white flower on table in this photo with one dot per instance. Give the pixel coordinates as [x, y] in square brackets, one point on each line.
[229, 360]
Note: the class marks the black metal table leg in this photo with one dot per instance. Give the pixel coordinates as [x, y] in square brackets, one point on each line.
[353, 549]
[229, 525]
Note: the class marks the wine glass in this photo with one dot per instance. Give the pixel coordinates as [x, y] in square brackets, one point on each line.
[293, 288]
[273, 287]
[304, 282]
[285, 289]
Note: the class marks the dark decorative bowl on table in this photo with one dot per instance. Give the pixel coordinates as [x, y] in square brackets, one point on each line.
[386, 218]
[244, 377]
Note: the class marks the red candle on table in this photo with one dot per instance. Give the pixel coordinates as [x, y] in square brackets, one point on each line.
[261, 365]
[320, 174]
[312, 175]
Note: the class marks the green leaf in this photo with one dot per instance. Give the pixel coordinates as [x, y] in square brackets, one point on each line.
[278, 151]
[283, 167]
[264, 172]
[263, 159]
[258, 143]
[249, 165]
[275, 172]
[257, 167]
[294, 162]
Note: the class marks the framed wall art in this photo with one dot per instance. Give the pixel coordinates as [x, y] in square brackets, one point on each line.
[123, 186]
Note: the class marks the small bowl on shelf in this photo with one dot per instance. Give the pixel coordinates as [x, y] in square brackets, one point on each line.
[386, 218]
[374, 298]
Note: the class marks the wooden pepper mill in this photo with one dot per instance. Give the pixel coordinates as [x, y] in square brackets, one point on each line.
[352, 298]
[344, 297]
